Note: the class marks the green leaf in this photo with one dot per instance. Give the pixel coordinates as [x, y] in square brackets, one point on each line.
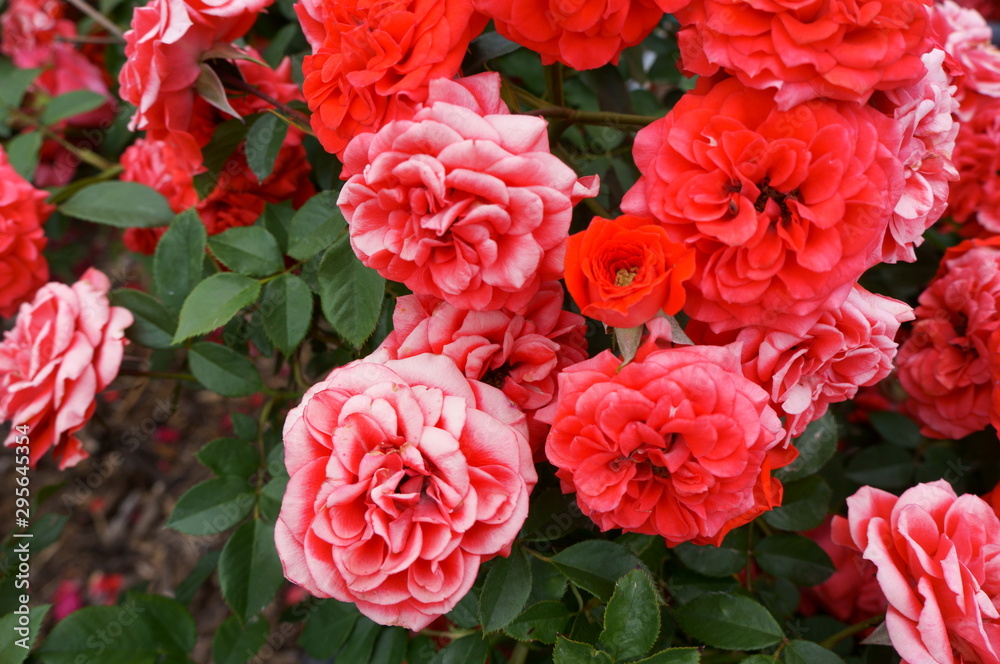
[793, 557]
[674, 656]
[213, 506]
[102, 635]
[351, 294]
[270, 498]
[213, 302]
[229, 456]
[542, 622]
[286, 307]
[249, 570]
[729, 622]
[249, 250]
[19, 638]
[14, 82]
[189, 586]
[315, 226]
[779, 595]
[244, 426]
[328, 627]
[122, 204]
[721, 561]
[277, 219]
[896, 428]
[177, 264]
[632, 618]
[758, 659]
[362, 642]
[223, 370]
[807, 652]
[216, 155]
[264, 139]
[485, 47]
[170, 623]
[803, 506]
[571, 652]
[390, 647]
[505, 590]
[465, 614]
[469, 649]
[595, 565]
[816, 446]
[153, 326]
[238, 644]
[22, 152]
[883, 466]
[70, 104]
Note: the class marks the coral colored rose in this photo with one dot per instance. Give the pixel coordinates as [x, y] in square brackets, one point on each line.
[29, 30]
[834, 49]
[520, 354]
[23, 211]
[405, 476]
[972, 60]
[974, 199]
[625, 271]
[945, 364]
[926, 114]
[938, 560]
[847, 348]
[65, 347]
[471, 209]
[584, 34]
[677, 443]
[851, 594]
[372, 62]
[784, 209]
[165, 52]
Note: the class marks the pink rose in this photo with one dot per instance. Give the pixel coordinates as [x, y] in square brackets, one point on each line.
[967, 39]
[66, 346]
[405, 476]
[520, 354]
[945, 364]
[23, 211]
[29, 30]
[938, 560]
[785, 209]
[677, 443]
[165, 52]
[851, 594]
[835, 49]
[469, 208]
[583, 35]
[847, 348]
[974, 199]
[926, 113]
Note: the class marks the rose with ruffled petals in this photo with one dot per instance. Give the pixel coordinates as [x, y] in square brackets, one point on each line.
[29, 31]
[23, 211]
[974, 198]
[851, 594]
[468, 208]
[834, 49]
[850, 347]
[926, 114]
[938, 560]
[677, 443]
[784, 209]
[66, 346]
[585, 34]
[624, 271]
[520, 354]
[405, 476]
[973, 61]
[372, 62]
[165, 55]
[945, 364]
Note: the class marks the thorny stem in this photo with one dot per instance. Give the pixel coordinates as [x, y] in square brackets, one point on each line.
[852, 630]
[297, 118]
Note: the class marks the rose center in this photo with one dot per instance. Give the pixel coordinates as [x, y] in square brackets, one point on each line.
[496, 377]
[767, 192]
[625, 277]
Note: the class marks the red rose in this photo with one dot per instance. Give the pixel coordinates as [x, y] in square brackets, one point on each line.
[66, 346]
[625, 271]
[23, 210]
[677, 443]
[405, 476]
[372, 62]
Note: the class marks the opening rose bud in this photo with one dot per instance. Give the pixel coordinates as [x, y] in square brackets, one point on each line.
[624, 271]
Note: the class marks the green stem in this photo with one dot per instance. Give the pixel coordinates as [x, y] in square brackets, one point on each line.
[457, 634]
[605, 118]
[293, 116]
[520, 654]
[554, 84]
[83, 154]
[544, 559]
[852, 630]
